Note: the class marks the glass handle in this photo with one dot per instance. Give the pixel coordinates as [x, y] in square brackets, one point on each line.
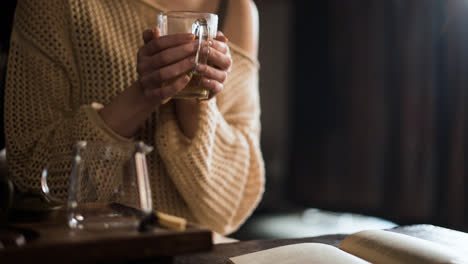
[201, 30]
[75, 169]
[45, 191]
[141, 168]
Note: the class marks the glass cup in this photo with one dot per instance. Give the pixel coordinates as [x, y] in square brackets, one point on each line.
[108, 184]
[204, 26]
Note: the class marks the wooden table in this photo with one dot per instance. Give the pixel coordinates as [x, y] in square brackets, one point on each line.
[51, 241]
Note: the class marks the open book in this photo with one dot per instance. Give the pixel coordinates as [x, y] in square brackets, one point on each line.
[371, 246]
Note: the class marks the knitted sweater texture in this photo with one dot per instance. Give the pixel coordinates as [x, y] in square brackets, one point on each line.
[69, 57]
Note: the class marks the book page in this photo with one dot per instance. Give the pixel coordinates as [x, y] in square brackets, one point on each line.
[452, 239]
[378, 246]
[305, 253]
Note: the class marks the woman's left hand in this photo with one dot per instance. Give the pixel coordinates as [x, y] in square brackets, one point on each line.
[219, 64]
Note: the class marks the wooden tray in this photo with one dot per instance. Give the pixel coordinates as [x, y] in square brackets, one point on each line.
[56, 243]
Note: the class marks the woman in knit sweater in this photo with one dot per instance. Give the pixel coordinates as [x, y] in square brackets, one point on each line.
[92, 70]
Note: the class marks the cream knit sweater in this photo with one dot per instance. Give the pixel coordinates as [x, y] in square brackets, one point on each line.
[68, 55]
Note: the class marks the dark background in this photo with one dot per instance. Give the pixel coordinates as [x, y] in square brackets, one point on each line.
[374, 95]
[363, 107]
[6, 19]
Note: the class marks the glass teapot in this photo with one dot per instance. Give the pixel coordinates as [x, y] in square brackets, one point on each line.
[108, 184]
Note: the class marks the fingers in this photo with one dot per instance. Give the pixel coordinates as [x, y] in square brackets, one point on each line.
[212, 73]
[215, 87]
[166, 73]
[177, 69]
[147, 35]
[161, 43]
[163, 94]
[219, 46]
[170, 90]
[218, 59]
[168, 56]
[218, 54]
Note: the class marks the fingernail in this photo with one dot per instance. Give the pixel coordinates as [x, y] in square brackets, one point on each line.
[190, 36]
[210, 43]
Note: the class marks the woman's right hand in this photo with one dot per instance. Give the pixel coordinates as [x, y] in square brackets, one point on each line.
[163, 58]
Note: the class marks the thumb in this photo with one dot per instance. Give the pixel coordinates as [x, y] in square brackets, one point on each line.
[147, 35]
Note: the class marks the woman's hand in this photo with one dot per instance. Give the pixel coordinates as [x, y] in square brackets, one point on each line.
[162, 59]
[219, 65]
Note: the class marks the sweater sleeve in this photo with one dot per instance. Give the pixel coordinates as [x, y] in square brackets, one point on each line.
[220, 172]
[44, 115]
